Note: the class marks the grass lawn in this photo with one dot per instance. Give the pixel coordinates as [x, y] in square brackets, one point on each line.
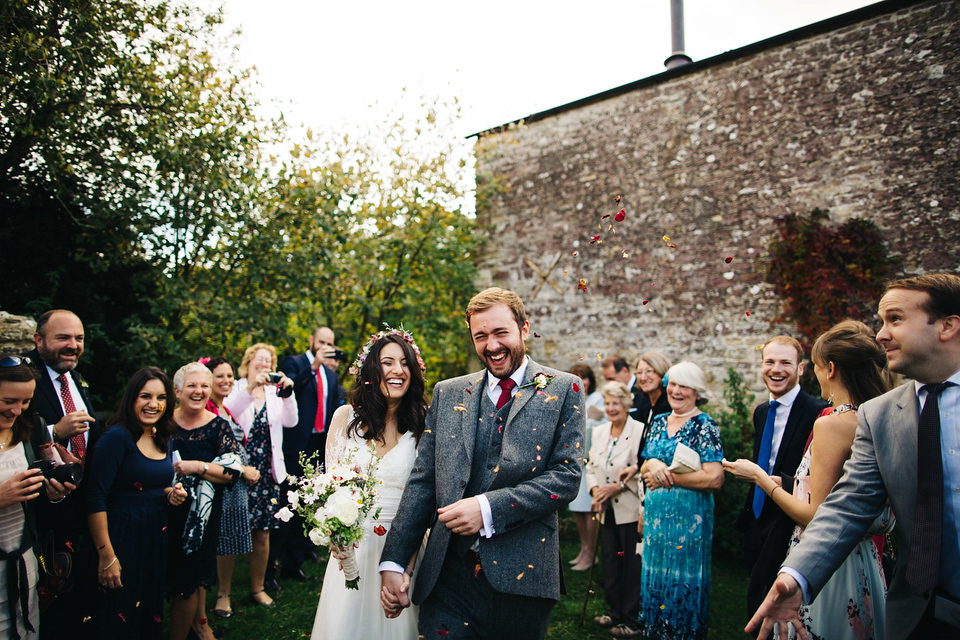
[297, 603]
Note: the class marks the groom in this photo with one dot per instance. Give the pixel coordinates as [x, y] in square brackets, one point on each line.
[501, 453]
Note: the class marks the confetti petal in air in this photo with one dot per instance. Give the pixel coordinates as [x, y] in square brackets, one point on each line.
[617, 200]
[621, 215]
[582, 285]
[728, 259]
[605, 216]
[554, 496]
[748, 314]
[594, 239]
[380, 530]
[646, 301]
[576, 253]
[536, 335]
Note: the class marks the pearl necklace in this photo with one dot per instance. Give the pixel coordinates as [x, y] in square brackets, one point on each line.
[685, 415]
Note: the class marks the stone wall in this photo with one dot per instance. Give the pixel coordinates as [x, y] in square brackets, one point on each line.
[858, 118]
[16, 333]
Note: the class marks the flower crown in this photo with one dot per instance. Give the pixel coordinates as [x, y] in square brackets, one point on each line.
[406, 336]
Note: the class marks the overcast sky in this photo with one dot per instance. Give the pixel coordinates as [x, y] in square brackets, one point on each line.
[323, 63]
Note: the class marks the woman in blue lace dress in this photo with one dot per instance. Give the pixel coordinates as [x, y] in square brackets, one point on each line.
[678, 512]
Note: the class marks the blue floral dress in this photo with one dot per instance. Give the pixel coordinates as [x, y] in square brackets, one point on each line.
[677, 536]
[264, 493]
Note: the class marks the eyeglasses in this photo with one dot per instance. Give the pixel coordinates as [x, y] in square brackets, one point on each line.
[13, 361]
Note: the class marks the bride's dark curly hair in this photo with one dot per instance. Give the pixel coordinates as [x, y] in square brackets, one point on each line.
[369, 404]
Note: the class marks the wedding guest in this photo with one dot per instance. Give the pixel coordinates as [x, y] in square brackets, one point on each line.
[235, 520]
[263, 402]
[651, 369]
[20, 486]
[580, 506]
[614, 448]
[851, 368]
[206, 457]
[127, 500]
[678, 512]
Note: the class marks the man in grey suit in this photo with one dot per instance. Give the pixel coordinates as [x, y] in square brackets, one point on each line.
[906, 449]
[501, 453]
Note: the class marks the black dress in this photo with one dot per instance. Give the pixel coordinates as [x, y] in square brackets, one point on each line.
[187, 572]
[129, 486]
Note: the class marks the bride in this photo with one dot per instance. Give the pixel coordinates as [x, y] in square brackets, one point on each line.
[384, 417]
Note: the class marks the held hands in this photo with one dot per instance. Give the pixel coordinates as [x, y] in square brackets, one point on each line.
[782, 605]
[251, 475]
[657, 475]
[20, 487]
[72, 424]
[393, 592]
[463, 517]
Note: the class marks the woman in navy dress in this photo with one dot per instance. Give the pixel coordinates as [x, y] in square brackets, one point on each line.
[678, 512]
[130, 488]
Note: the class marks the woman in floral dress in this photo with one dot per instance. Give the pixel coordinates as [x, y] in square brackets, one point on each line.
[264, 405]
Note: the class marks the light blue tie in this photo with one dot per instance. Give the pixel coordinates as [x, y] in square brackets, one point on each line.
[763, 456]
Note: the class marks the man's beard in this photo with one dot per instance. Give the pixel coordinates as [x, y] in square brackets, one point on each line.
[52, 359]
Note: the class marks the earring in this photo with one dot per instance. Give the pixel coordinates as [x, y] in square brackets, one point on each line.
[830, 398]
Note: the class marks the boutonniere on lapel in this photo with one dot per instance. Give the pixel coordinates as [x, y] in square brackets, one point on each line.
[540, 381]
[83, 383]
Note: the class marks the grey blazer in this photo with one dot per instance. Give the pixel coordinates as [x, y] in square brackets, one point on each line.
[538, 472]
[883, 465]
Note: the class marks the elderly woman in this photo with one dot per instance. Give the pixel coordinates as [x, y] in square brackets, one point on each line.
[678, 512]
[651, 369]
[581, 505]
[614, 447]
[263, 402]
[207, 457]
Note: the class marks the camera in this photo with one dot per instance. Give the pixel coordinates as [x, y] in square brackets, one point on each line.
[63, 472]
[337, 354]
[274, 378]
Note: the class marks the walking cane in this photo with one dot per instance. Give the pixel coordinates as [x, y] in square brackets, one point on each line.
[593, 563]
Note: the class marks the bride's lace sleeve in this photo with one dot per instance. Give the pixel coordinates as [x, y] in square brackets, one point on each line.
[337, 441]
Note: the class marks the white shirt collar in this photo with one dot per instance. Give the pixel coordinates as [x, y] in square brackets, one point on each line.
[787, 399]
[516, 376]
[310, 356]
[955, 379]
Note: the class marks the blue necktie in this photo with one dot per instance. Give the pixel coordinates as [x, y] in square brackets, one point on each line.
[763, 456]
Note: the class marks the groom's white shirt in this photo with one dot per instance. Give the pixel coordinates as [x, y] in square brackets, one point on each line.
[486, 515]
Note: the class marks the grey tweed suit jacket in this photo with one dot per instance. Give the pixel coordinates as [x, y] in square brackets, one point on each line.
[537, 472]
[883, 465]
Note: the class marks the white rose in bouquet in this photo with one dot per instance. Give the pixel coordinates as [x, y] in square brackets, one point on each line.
[317, 538]
[342, 505]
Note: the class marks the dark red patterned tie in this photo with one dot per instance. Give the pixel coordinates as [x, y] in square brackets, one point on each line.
[320, 420]
[77, 443]
[923, 562]
[506, 386]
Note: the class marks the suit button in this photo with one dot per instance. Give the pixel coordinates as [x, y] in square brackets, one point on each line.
[462, 484]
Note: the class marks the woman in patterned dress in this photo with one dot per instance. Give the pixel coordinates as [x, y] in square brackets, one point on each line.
[678, 512]
[235, 521]
[264, 405]
[851, 368]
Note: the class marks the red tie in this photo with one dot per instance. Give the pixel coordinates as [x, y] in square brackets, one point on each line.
[77, 443]
[506, 386]
[320, 421]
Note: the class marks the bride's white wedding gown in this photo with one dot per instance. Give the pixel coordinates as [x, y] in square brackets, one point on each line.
[345, 614]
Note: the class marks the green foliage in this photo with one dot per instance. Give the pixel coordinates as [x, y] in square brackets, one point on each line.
[135, 191]
[826, 274]
[737, 435]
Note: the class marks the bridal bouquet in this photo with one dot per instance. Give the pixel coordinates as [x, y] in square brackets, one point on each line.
[334, 504]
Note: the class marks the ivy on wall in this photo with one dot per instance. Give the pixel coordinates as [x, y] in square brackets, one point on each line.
[827, 273]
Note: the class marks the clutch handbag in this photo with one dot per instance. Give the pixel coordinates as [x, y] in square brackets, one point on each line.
[685, 460]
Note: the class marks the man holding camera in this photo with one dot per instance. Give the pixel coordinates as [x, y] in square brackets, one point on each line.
[63, 402]
[315, 384]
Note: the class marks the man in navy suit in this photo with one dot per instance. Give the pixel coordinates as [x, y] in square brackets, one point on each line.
[63, 401]
[767, 528]
[318, 396]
